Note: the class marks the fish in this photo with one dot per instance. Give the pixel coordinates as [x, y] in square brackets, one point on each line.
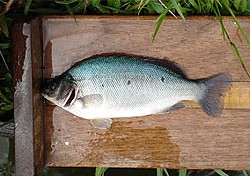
[106, 87]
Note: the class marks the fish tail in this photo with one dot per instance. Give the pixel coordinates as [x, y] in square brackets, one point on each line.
[215, 87]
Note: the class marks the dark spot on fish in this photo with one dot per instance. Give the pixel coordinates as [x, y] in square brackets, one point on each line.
[102, 85]
[162, 79]
[129, 82]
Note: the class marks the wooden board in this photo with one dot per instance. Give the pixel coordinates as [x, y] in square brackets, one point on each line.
[27, 62]
[182, 139]
[23, 116]
[37, 65]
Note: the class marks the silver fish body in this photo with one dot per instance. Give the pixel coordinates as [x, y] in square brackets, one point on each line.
[118, 86]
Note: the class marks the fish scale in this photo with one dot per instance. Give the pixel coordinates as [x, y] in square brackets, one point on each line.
[146, 91]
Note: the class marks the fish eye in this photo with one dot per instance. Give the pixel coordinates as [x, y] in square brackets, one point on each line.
[52, 86]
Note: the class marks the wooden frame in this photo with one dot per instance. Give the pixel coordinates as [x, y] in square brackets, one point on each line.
[27, 58]
[184, 139]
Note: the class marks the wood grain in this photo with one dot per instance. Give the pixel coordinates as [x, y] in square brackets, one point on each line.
[185, 138]
[23, 108]
[197, 45]
[37, 64]
[27, 63]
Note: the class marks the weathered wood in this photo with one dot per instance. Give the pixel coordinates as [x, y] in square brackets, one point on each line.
[37, 64]
[182, 139]
[194, 44]
[23, 108]
[27, 63]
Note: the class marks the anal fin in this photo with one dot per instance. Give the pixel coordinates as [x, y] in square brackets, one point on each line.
[101, 123]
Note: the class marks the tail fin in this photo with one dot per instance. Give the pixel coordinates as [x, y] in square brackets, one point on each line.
[215, 88]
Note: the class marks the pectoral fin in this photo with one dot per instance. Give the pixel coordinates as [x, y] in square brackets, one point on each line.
[101, 123]
[92, 100]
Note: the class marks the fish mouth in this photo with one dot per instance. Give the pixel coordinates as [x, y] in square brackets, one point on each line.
[71, 98]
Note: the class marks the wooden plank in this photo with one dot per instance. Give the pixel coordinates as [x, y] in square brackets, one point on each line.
[183, 139]
[94, 35]
[37, 64]
[23, 109]
[27, 63]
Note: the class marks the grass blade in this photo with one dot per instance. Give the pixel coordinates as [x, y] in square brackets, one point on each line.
[71, 12]
[166, 172]
[221, 173]
[103, 9]
[159, 21]
[106, 9]
[142, 4]
[5, 45]
[233, 46]
[27, 6]
[95, 2]
[7, 68]
[117, 4]
[237, 53]
[183, 172]
[4, 98]
[99, 171]
[166, 8]
[176, 6]
[66, 2]
[3, 25]
[195, 5]
[245, 173]
[47, 11]
[7, 107]
[225, 3]
[156, 6]
[6, 123]
[159, 172]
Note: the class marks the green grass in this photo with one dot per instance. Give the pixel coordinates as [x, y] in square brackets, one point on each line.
[159, 172]
[182, 172]
[221, 173]
[123, 7]
[99, 171]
